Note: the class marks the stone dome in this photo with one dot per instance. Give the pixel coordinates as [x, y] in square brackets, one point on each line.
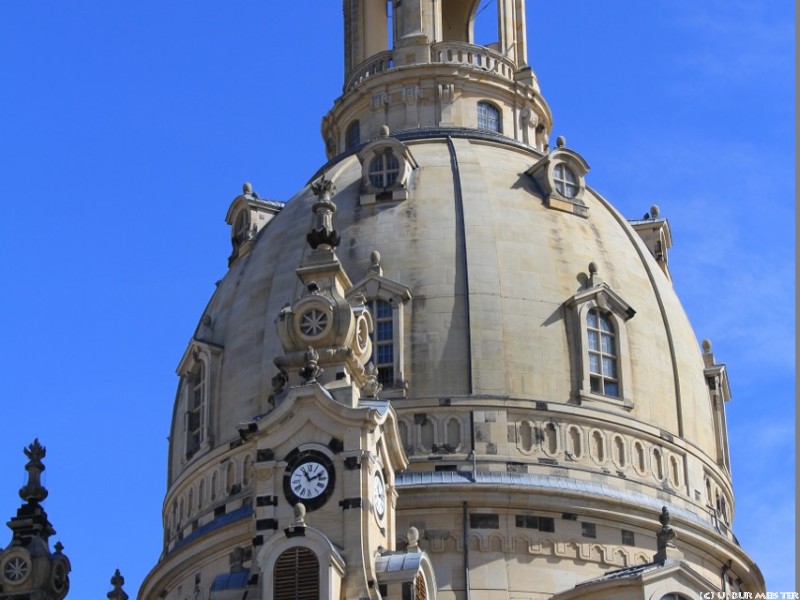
[491, 340]
[491, 270]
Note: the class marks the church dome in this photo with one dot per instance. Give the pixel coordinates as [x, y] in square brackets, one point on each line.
[545, 379]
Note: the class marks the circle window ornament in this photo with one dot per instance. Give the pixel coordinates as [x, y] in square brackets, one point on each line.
[362, 334]
[16, 569]
[565, 180]
[313, 322]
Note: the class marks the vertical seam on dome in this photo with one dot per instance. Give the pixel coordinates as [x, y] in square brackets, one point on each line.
[675, 374]
[461, 248]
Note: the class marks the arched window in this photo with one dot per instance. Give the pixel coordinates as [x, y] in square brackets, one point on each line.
[565, 180]
[352, 136]
[602, 354]
[384, 170]
[383, 341]
[296, 575]
[488, 117]
[241, 228]
[195, 409]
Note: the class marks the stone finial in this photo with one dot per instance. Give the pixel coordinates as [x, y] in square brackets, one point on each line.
[248, 191]
[708, 355]
[371, 386]
[33, 490]
[385, 131]
[311, 369]
[322, 232]
[654, 211]
[561, 141]
[375, 260]
[236, 560]
[666, 537]
[413, 539]
[594, 278]
[299, 515]
[117, 593]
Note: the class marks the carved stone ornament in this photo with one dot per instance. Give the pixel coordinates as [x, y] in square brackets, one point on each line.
[117, 593]
[371, 386]
[33, 491]
[322, 233]
[311, 369]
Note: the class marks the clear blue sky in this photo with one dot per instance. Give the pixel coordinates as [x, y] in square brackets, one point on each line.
[128, 127]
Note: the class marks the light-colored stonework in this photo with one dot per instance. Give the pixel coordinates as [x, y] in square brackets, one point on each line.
[512, 465]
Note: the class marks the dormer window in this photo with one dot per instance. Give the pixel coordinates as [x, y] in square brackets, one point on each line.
[560, 176]
[198, 369]
[386, 167]
[387, 302]
[596, 321]
[195, 411]
[247, 215]
[383, 340]
[488, 117]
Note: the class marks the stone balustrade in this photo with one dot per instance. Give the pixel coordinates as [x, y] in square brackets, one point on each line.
[477, 57]
[455, 53]
[372, 66]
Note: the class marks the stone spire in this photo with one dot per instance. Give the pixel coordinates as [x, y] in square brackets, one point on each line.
[117, 593]
[33, 490]
[28, 569]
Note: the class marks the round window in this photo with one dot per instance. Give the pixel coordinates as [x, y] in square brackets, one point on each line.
[384, 170]
[313, 322]
[16, 569]
[566, 182]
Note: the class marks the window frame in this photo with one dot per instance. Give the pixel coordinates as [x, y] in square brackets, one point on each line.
[600, 380]
[205, 357]
[618, 312]
[375, 287]
[352, 135]
[488, 113]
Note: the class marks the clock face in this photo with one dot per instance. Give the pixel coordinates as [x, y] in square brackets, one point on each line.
[379, 495]
[309, 478]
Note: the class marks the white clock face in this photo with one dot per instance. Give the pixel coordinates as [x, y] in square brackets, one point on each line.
[379, 493]
[309, 480]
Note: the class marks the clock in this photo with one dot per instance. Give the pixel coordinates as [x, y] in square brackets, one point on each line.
[309, 478]
[379, 495]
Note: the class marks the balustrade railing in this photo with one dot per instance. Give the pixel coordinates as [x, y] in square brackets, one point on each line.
[372, 66]
[477, 57]
[455, 53]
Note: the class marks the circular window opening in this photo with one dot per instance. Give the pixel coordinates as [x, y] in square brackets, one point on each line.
[566, 182]
[16, 569]
[313, 322]
[384, 170]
